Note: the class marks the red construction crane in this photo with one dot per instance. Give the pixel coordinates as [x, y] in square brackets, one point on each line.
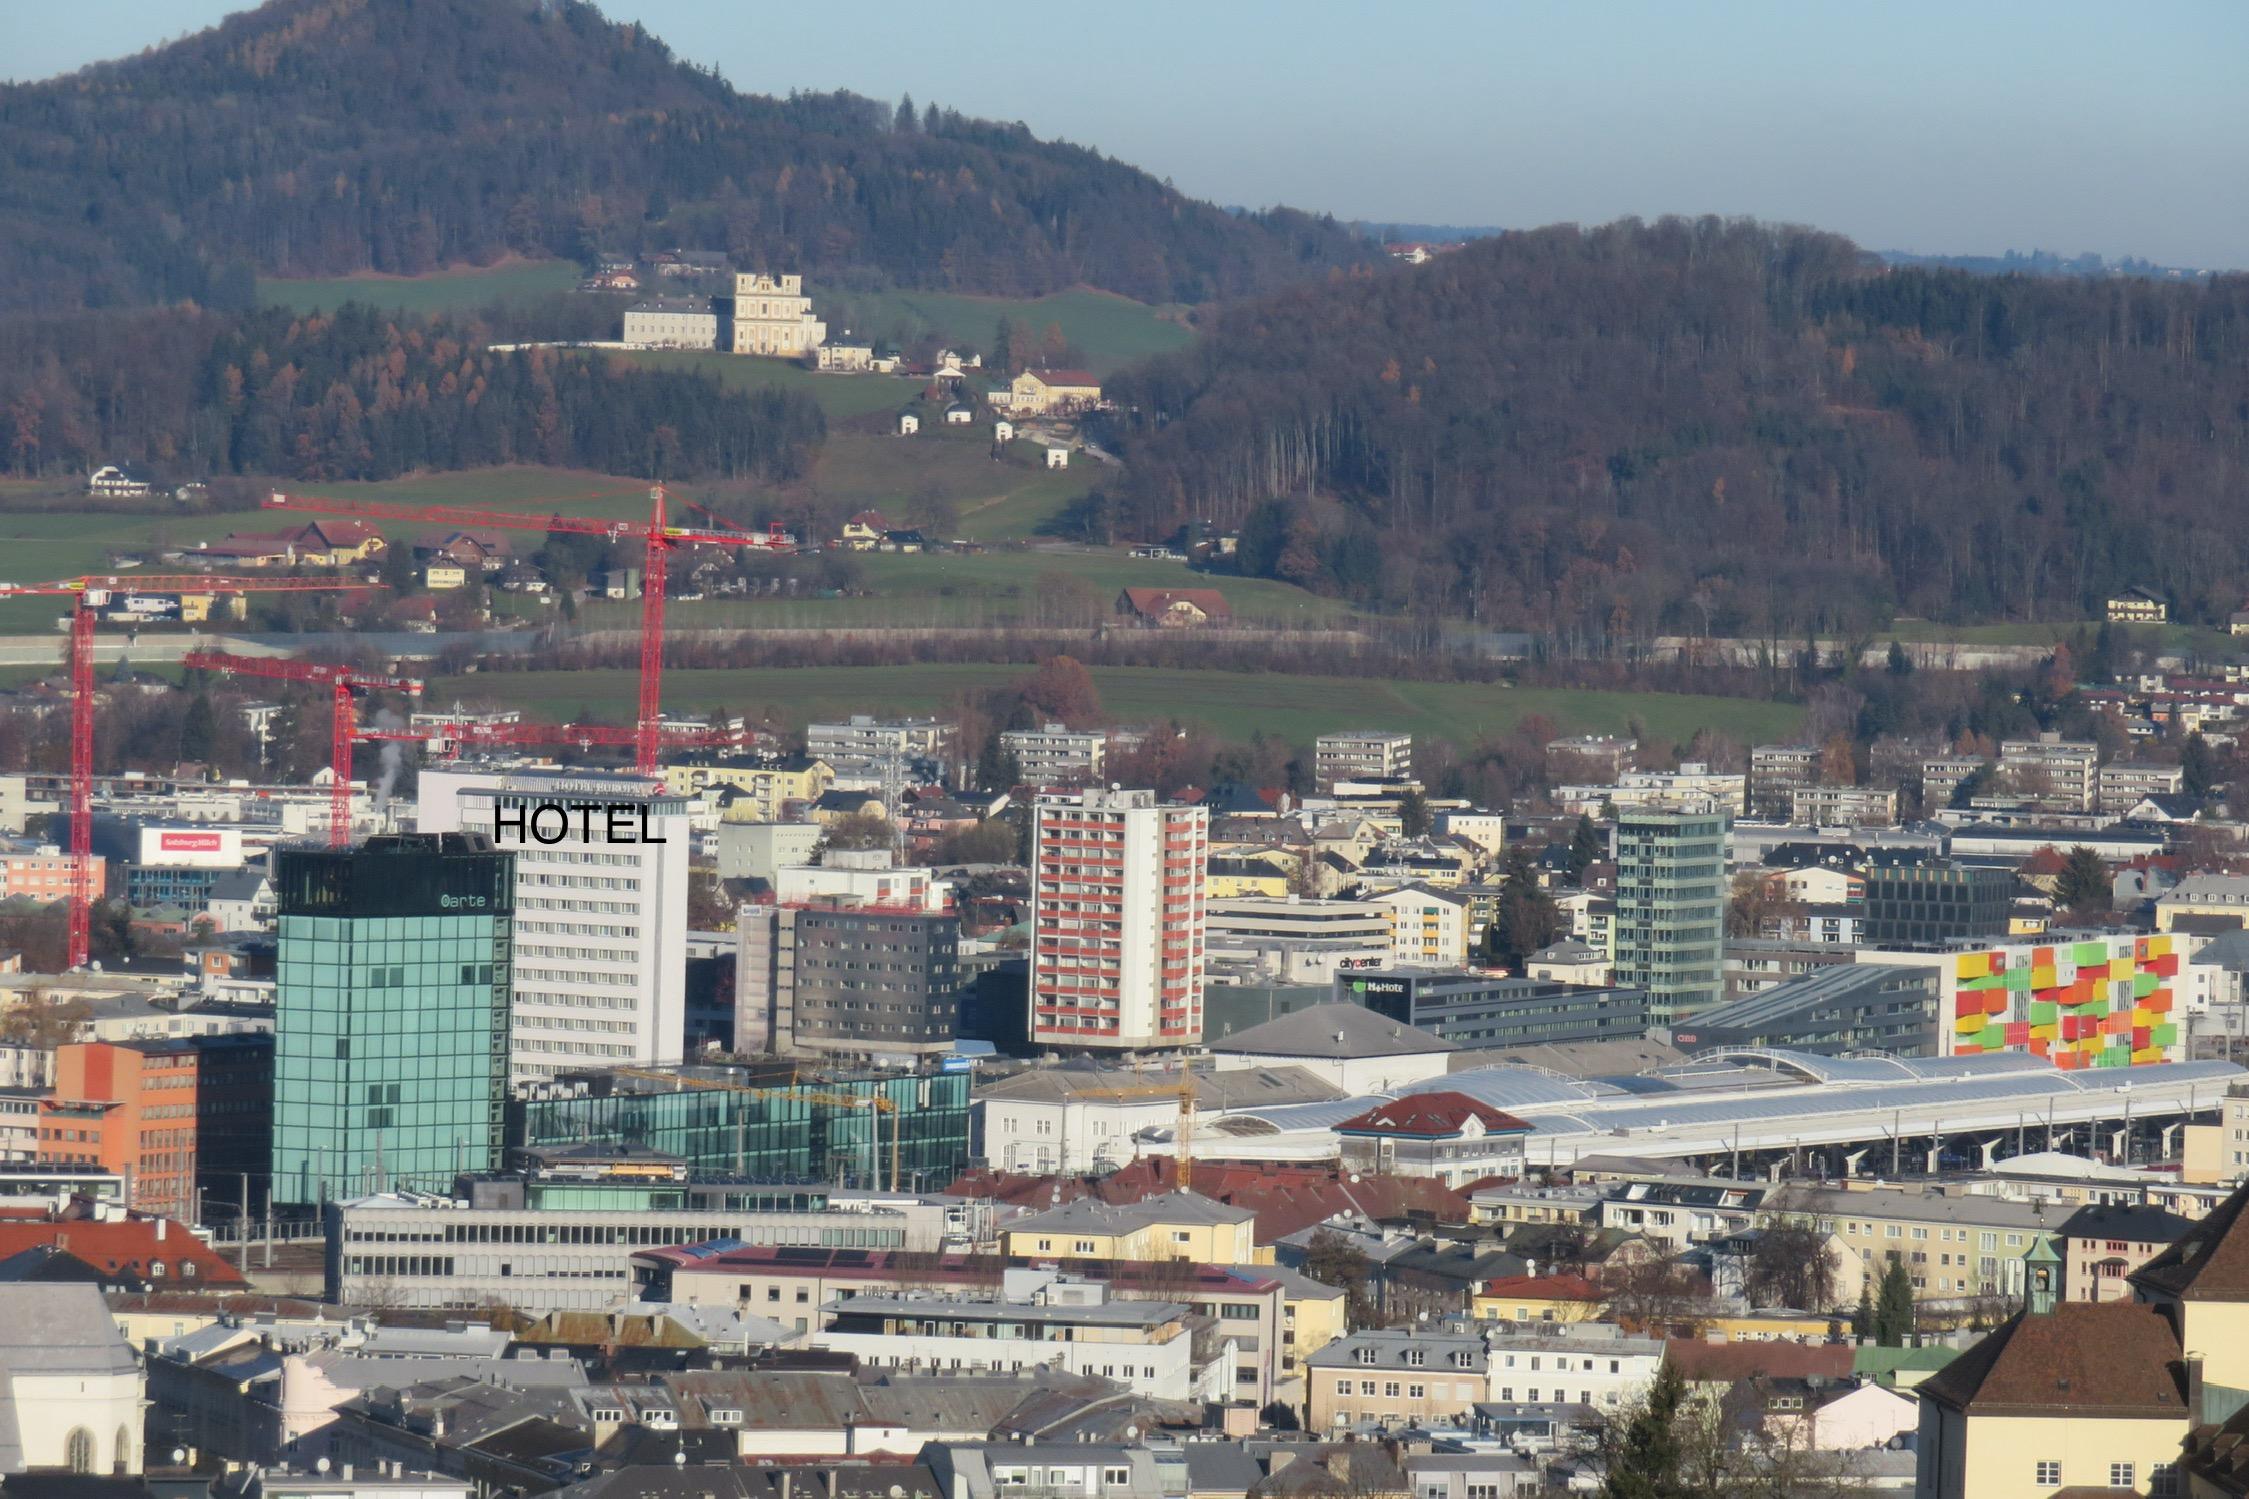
[659, 536]
[88, 595]
[343, 720]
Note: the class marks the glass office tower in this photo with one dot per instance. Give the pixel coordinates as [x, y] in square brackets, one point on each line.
[1671, 908]
[391, 1036]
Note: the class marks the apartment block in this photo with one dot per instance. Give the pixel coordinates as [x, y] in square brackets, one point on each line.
[1361, 755]
[2055, 774]
[1117, 889]
[846, 980]
[127, 1107]
[1843, 806]
[1776, 772]
[1054, 754]
[864, 745]
[2124, 784]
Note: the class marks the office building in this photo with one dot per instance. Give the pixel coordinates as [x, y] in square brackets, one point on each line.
[600, 911]
[1117, 920]
[1671, 907]
[391, 1037]
[1478, 1010]
[1836, 1011]
[1038, 1319]
[1936, 902]
[1054, 754]
[234, 1119]
[761, 850]
[842, 979]
[572, 1250]
[1776, 773]
[776, 1123]
[1361, 755]
[127, 1107]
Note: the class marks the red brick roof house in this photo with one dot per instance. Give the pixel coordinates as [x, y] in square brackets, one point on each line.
[1443, 1134]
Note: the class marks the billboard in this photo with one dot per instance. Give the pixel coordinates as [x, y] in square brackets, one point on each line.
[206, 847]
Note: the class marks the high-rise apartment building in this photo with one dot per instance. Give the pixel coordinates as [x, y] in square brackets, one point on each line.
[1054, 753]
[1671, 908]
[1117, 920]
[2053, 773]
[391, 1026]
[1776, 773]
[600, 910]
[1361, 755]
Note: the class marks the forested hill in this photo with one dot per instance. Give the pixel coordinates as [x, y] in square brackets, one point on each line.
[317, 137]
[1706, 425]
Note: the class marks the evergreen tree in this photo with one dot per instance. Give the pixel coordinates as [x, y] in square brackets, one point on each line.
[1586, 845]
[905, 122]
[2200, 768]
[1413, 815]
[1901, 664]
[1862, 1315]
[1648, 1462]
[1003, 348]
[1893, 1307]
[199, 729]
[2084, 883]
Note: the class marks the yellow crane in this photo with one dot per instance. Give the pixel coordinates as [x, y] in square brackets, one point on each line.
[1183, 1136]
[880, 1103]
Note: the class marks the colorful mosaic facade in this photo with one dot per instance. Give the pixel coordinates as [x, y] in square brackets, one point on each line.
[2104, 1003]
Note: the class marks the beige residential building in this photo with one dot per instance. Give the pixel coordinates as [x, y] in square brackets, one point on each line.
[1048, 392]
[770, 315]
[1397, 1378]
[672, 323]
[1428, 928]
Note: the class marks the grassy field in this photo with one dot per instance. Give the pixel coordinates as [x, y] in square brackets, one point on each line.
[1232, 704]
[1108, 331]
[448, 291]
[841, 396]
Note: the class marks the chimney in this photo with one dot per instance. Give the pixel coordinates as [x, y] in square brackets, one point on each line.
[1339, 1464]
[161, 1225]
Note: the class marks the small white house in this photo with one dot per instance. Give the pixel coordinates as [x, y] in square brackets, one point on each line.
[110, 479]
[1003, 431]
[958, 415]
[1057, 457]
[908, 424]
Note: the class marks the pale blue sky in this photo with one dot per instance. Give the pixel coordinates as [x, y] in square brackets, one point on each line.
[1958, 125]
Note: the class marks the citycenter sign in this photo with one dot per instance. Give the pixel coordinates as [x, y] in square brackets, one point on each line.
[547, 822]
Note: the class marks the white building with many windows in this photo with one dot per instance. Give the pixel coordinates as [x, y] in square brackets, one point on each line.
[600, 912]
[672, 323]
[771, 315]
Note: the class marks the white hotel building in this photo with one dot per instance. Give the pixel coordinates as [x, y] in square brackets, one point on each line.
[1117, 921]
[600, 926]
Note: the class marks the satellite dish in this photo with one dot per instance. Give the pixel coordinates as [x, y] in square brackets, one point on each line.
[1132, 1433]
[321, 1466]
[679, 1458]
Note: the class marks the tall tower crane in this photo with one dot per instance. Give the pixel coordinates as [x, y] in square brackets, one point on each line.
[87, 596]
[657, 534]
[343, 721]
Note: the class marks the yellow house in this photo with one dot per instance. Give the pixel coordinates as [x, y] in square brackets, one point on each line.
[761, 786]
[864, 531]
[1267, 872]
[1771, 1326]
[1037, 392]
[1173, 1226]
[1313, 1315]
[440, 575]
[1539, 1298]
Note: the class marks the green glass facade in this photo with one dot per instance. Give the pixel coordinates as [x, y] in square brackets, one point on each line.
[391, 1032]
[1671, 908]
[765, 1137]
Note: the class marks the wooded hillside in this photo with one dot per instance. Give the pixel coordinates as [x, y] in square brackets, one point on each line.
[1691, 426]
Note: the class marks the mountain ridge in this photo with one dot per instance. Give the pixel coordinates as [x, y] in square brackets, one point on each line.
[325, 137]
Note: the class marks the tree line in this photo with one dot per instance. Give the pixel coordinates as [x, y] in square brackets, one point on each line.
[406, 136]
[364, 394]
[1707, 427]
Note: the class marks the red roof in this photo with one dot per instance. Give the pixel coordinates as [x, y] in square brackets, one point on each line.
[1700, 1362]
[1430, 1116]
[1284, 1198]
[2047, 860]
[132, 1246]
[1151, 602]
[1544, 1288]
